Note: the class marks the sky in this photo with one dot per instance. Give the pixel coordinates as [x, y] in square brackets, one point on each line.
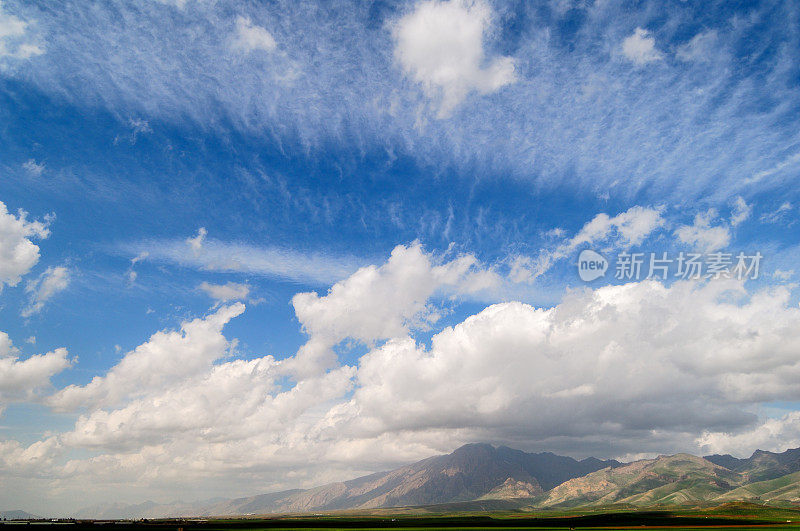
[251, 246]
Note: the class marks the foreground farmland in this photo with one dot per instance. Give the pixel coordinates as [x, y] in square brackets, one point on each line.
[727, 516]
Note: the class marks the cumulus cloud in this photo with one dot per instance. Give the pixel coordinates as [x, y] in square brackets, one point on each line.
[640, 367]
[250, 37]
[440, 45]
[623, 230]
[25, 379]
[377, 303]
[33, 460]
[637, 367]
[18, 254]
[15, 40]
[230, 291]
[708, 237]
[167, 357]
[640, 48]
[624, 362]
[54, 280]
[704, 236]
[772, 434]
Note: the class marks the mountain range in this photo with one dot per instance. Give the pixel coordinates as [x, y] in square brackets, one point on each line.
[479, 476]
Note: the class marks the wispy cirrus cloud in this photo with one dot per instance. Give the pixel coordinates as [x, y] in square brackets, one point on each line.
[696, 132]
[208, 254]
[53, 281]
[16, 41]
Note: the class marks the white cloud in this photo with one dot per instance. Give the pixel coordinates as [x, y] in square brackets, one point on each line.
[139, 257]
[226, 292]
[14, 38]
[133, 275]
[250, 37]
[631, 226]
[640, 47]
[701, 48]
[17, 460]
[165, 358]
[139, 127]
[24, 379]
[440, 45]
[180, 4]
[377, 303]
[772, 434]
[18, 254]
[276, 262]
[778, 214]
[521, 135]
[54, 280]
[780, 168]
[637, 367]
[623, 230]
[702, 235]
[34, 168]
[628, 362]
[741, 211]
[230, 400]
[195, 243]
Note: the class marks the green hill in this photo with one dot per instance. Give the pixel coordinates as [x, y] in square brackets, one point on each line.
[667, 480]
[782, 489]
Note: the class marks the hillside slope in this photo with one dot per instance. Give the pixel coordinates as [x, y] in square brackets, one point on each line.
[761, 465]
[480, 475]
[783, 489]
[667, 480]
[471, 472]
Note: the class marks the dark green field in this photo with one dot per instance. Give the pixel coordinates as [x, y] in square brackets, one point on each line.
[732, 516]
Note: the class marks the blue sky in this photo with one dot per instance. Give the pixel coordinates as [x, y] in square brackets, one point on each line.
[437, 166]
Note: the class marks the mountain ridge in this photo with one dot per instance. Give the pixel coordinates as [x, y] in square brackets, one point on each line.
[482, 472]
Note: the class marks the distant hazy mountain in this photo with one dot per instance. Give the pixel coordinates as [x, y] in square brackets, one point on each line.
[761, 465]
[16, 515]
[119, 511]
[477, 476]
[471, 472]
